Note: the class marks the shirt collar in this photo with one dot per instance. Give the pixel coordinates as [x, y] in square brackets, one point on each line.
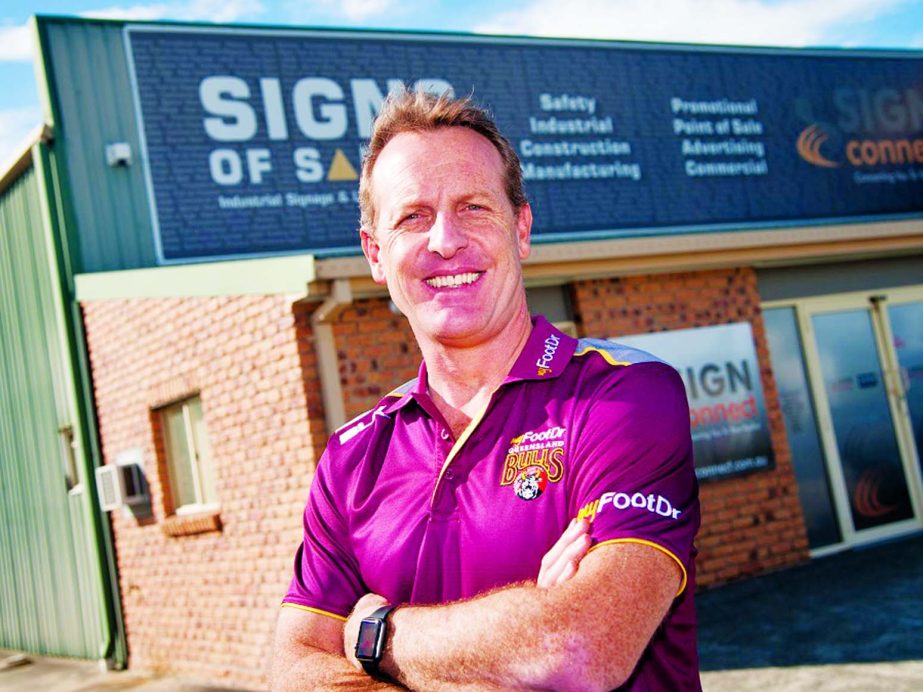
[547, 352]
[545, 355]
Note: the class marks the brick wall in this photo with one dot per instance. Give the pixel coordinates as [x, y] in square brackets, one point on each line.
[750, 524]
[204, 605]
[376, 353]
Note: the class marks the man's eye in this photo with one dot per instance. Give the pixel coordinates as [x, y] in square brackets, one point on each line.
[474, 207]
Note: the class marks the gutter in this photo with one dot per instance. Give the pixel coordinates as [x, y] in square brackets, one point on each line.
[328, 368]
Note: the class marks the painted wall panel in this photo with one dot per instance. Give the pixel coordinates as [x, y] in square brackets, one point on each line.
[51, 592]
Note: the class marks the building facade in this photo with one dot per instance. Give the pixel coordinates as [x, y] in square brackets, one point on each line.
[754, 217]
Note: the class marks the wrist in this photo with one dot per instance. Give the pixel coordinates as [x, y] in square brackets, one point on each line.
[372, 641]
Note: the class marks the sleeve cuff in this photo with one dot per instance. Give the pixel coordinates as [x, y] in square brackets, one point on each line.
[318, 611]
[641, 541]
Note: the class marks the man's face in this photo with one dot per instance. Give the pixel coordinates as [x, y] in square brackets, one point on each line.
[447, 241]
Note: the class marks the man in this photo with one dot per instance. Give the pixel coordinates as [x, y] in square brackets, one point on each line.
[469, 497]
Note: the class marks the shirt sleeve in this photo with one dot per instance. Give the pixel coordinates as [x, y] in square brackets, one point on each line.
[326, 576]
[634, 474]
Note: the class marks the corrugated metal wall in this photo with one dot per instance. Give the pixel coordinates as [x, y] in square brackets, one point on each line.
[52, 586]
[90, 96]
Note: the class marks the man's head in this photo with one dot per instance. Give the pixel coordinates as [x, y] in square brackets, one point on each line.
[445, 233]
[420, 111]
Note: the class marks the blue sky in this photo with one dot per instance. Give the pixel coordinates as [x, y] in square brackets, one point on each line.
[839, 23]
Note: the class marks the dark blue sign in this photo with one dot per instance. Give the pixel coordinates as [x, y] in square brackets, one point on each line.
[254, 138]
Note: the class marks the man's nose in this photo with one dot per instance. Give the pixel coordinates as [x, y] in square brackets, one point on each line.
[447, 236]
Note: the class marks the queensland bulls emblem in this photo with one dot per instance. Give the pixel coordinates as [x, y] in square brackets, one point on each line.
[531, 483]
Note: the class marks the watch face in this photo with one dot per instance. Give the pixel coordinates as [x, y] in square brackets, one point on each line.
[369, 645]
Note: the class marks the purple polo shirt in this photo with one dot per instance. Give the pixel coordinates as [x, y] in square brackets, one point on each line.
[578, 427]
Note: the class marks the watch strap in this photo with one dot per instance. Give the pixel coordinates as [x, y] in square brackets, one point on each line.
[381, 614]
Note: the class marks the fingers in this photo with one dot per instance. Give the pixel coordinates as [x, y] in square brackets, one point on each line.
[560, 563]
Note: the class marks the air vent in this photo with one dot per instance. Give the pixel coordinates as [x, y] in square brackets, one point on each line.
[107, 485]
[119, 485]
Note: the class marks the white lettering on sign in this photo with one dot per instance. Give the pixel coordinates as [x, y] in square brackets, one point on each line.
[308, 168]
[276, 125]
[320, 111]
[329, 122]
[224, 97]
[319, 105]
[225, 167]
[566, 102]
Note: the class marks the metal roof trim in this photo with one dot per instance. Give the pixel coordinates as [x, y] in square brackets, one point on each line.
[21, 161]
[277, 275]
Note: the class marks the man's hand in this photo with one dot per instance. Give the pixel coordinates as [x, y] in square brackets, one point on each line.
[560, 563]
[364, 607]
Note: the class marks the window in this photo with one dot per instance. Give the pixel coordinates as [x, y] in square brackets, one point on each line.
[555, 304]
[187, 455]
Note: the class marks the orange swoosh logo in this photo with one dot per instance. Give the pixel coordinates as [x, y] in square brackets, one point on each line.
[809, 143]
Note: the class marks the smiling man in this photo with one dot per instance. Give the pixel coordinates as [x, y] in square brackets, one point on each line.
[521, 515]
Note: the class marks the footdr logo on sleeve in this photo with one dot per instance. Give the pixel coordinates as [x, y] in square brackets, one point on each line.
[655, 504]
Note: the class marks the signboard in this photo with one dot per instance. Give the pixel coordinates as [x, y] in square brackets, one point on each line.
[727, 412]
[253, 138]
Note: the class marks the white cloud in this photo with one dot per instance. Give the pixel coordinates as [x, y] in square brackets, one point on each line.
[361, 9]
[354, 10]
[196, 10]
[15, 43]
[746, 22]
[15, 126]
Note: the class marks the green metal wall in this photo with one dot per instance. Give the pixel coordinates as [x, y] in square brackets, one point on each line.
[53, 583]
[88, 101]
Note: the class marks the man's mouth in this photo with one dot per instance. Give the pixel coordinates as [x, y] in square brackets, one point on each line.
[454, 280]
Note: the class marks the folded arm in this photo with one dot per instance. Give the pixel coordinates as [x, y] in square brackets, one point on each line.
[587, 632]
[308, 655]
[308, 652]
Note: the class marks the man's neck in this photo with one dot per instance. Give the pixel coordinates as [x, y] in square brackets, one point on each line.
[462, 380]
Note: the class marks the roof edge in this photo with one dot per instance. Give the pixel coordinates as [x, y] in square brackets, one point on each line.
[13, 168]
[289, 274]
[386, 32]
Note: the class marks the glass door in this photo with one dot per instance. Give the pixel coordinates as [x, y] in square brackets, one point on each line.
[906, 322]
[860, 368]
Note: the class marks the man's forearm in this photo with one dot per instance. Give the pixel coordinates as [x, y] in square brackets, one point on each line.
[307, 668]
[482, 643]
[586, 633]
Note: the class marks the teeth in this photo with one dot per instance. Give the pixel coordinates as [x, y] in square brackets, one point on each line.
[453, 281]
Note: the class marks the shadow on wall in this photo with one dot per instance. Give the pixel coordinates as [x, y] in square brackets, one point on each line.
[860, 606]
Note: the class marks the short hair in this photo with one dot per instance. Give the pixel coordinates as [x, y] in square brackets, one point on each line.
[419, 111]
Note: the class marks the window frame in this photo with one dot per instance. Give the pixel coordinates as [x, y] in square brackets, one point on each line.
[198, 454]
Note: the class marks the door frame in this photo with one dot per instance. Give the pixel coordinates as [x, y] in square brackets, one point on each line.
[876, 302]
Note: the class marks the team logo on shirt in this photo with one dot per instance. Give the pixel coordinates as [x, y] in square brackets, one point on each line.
[533, 460]
[531, 483]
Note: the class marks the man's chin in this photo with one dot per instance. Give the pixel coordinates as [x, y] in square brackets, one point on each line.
[454, 330]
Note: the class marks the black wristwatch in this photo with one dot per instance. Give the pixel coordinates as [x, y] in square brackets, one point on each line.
[373, 632]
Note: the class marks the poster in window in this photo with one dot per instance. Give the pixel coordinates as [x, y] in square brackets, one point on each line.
[727, 410]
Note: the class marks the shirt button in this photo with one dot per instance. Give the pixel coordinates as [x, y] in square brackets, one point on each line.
[449, 475]
[444, 434]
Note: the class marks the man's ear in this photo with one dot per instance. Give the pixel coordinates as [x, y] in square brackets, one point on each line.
[524, 230]
[371, 250]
